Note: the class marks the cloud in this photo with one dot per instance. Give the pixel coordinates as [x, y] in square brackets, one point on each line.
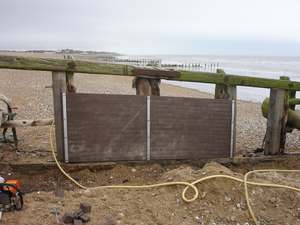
[156, 26]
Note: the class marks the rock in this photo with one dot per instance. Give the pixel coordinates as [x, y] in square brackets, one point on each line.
[85, 218]
[227, 198]
[77, 213]
[85, 207]
[203, 194]
[121, 215]
[273, 200]
[67, 218]
[199, 220]
[77, 222]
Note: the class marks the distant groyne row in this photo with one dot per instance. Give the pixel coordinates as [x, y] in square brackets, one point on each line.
[195, 66]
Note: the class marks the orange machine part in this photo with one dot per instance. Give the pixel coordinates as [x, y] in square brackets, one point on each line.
[13, 182]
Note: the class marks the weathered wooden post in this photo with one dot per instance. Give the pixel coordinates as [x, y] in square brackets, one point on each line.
[223, 91]
[277, 120]
[70, 82]
[59, 87]
[291, 96]
[70, 77]
[146, 86]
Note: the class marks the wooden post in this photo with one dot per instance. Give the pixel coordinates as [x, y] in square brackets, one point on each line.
[277, 119]
[70, 77]
[146, 86]
[59, 86]
[70, 82]
[154, 83]
[291, 95]
[223, 91]
[228, 92]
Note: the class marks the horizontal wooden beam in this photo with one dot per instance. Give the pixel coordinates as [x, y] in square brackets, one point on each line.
[26, 123]
[294, 101]
[28, 63]
[236, 80]
[61, 65]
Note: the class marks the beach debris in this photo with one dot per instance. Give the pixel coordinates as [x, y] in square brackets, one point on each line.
[85, 207]
[77, 222]
[55, 212]
[78, 216]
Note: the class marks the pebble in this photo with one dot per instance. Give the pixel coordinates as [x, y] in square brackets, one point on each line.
[85, 207]
[199, 220]
[121, 215]
[203, 194]
[227, 198]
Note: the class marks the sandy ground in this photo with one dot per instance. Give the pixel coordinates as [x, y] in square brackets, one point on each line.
[221, 201]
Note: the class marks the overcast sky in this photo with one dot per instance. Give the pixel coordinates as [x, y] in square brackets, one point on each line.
[256, 27]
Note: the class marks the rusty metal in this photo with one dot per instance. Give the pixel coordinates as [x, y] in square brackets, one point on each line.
[7, 114]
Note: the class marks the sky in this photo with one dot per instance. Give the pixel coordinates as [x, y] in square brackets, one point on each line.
[211, 27]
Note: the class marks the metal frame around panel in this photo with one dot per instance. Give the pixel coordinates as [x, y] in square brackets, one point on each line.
[65, 127]
[148, 154]
[232, 134]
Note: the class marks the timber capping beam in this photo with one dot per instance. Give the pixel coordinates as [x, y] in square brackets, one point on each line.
[76, 66]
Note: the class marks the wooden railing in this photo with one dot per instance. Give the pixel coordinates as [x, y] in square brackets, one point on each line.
[76, 66]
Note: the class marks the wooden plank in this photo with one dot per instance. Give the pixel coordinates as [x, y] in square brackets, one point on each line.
[26, 123]
[155, 73]
[235, 80]
[187, 128]
[59, 86]
[106, 127]
[276, 124]
[76, 66]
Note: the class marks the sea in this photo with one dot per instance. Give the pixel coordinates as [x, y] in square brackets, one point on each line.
[256, 66]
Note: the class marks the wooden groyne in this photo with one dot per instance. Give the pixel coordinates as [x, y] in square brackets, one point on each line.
[282, 91]
[144, 62]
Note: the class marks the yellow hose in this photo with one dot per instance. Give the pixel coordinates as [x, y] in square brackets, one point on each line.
[186, 184]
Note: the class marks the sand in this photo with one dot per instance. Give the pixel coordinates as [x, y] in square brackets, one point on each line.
[220, 202]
